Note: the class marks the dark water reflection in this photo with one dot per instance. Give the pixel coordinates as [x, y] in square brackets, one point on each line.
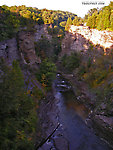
[72, 114]
[72, 103]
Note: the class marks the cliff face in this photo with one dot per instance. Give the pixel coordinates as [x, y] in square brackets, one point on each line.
[23, 46]
[27, 47]
[9, 51]
[74, 43]
[81, 38]
[102, 38]
[41, 30]
[78, 38]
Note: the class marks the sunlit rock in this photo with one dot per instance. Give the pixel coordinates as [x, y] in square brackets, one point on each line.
[103, 38]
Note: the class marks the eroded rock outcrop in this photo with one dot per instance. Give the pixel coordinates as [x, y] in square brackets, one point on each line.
[80, 38]
[27, 47]
[102, 38]
[74, 43]
[21, 48]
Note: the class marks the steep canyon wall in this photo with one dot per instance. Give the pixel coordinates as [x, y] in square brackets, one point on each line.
[80, 38]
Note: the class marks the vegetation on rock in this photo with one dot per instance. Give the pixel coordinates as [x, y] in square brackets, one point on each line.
[70, 63]
[46, 73]
[15, 18]
[17, 110]
[17, 105]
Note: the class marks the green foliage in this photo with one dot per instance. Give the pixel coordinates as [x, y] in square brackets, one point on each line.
[91, 22]
[92, 11]
[14, 18]
[71, 62]
[89, 62]
[47, 17]
[46, 73]
[101, 19]
[111, 21]
[98, 75]
[56, 31]
[82, 70]
[17, 113]
[105, 96]
[43, 48]
[76, 21]
[46, 49]
[63, 23]
[56, 42]
[68, 23]
[37, 93]
[98, 71]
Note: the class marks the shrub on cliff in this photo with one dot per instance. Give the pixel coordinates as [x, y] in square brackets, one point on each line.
[48, 49]
[46, 73]
[43, 48]
[70, 62]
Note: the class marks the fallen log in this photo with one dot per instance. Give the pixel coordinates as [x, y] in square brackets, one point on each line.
[45, 140]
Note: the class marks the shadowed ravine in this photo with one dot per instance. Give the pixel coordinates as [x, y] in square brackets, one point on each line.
[62, 119]
[72, 116]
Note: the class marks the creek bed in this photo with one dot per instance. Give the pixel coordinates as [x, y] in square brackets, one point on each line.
[62, 120]
[72, 115]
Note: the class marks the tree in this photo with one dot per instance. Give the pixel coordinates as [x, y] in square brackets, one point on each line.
[17, 113]
[94, 16]
[106, 14]
[91, 11]
[47, 17]
[99, 21]
[111, 21]
[89, 21]
[71, 62]
[68, 23]
[63, 23]
[47, 73]
[76, 21]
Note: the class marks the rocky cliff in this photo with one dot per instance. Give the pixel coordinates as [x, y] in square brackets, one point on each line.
[27, 47]
[41, 30]
[22, 47]
[80, 38]
[9, 50]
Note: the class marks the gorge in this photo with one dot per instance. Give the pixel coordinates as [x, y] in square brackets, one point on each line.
[56, 85]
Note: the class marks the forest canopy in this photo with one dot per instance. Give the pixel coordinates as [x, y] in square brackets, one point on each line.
[100, 19]
[14, 18]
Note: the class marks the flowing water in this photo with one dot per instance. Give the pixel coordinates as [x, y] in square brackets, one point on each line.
[72, 115]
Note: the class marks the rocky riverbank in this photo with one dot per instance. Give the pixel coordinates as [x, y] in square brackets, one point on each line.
[102, 124]
[51, 135]
[61, 127]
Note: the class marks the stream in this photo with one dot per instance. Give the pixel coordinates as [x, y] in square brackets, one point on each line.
[72, 116]
[63, 121]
